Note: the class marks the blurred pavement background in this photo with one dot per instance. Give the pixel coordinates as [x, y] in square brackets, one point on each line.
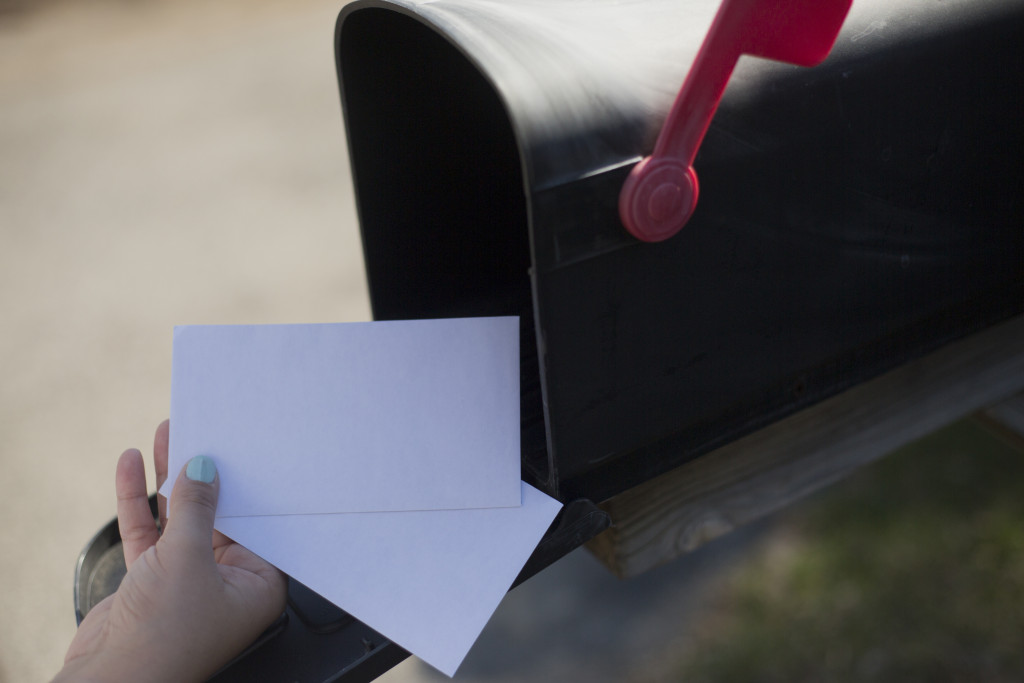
[160, 163]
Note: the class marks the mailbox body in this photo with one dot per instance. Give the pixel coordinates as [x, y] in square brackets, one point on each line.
[852, 217]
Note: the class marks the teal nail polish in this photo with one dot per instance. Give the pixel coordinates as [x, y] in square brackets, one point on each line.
[201, 468]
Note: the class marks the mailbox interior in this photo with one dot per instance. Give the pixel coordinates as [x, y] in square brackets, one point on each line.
[439, 189]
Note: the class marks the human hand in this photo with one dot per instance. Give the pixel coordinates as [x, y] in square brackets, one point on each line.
[187, 605]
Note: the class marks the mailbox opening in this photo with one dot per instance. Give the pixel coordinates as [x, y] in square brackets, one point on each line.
[439, 189]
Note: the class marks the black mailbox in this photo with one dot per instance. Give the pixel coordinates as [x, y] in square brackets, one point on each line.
[853, 215]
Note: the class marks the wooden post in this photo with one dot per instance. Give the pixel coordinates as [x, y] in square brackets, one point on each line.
[682, 509]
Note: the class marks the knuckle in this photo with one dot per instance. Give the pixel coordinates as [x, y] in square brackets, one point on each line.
[201, 496]
[135, 533]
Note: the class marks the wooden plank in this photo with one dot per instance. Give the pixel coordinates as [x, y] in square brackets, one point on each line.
[682, 509]
[1006, 418]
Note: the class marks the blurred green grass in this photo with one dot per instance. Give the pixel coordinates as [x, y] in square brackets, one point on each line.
[910, 570]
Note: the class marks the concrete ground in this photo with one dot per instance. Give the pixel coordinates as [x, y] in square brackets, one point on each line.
[184, 162]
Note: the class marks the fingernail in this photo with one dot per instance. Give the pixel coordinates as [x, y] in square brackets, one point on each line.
[201, 468]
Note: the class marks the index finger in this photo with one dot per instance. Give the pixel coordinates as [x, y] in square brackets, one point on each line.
[160, 465]
[134, 518]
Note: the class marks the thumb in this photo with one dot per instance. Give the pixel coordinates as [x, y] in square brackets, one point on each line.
[193, 503]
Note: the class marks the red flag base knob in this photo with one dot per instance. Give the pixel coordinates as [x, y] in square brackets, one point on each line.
[658, 198]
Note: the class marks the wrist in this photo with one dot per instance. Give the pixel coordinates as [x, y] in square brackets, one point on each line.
[101, 667]
[86, 669]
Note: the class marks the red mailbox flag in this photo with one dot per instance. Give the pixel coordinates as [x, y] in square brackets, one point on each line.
[660, 193]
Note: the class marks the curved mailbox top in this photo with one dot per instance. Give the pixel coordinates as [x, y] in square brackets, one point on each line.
[611, 69]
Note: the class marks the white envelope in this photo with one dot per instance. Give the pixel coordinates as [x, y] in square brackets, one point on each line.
[428, 580]
[351, 417]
